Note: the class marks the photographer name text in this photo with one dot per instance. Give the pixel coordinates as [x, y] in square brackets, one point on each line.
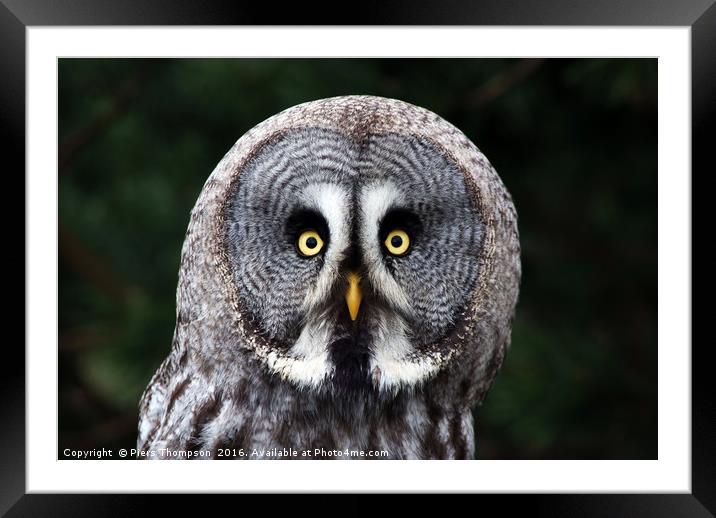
[222, 453]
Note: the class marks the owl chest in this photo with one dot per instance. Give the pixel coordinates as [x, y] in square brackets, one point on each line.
[315, 433]
[319, 429]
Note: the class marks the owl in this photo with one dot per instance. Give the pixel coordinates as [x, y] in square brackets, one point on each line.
[347, 286]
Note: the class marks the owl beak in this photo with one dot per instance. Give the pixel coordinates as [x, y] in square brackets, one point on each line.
[353, 294]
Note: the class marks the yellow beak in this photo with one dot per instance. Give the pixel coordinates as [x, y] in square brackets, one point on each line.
[353, 294]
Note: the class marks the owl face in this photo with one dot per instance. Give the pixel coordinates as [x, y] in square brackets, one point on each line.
[354, 257]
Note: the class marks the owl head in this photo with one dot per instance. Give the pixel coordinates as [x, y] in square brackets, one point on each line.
[353, 243]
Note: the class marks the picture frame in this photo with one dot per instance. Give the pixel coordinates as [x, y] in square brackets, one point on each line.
[16, 16]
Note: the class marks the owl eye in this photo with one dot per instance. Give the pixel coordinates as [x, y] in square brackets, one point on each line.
[309, 243]
[397, 242]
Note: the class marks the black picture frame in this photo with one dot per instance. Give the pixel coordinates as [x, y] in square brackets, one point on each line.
[700, 15]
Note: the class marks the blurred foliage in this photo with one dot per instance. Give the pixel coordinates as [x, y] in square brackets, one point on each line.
[574, 141]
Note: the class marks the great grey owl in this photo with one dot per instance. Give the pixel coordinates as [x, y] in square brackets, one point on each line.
[347, 287]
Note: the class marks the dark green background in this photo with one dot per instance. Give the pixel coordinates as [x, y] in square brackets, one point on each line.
[575, 141]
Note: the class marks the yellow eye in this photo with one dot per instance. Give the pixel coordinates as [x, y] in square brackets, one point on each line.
[309, 243]
[397, 242]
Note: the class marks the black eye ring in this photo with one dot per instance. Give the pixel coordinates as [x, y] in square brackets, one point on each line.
[307, 232]
[399, 232]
